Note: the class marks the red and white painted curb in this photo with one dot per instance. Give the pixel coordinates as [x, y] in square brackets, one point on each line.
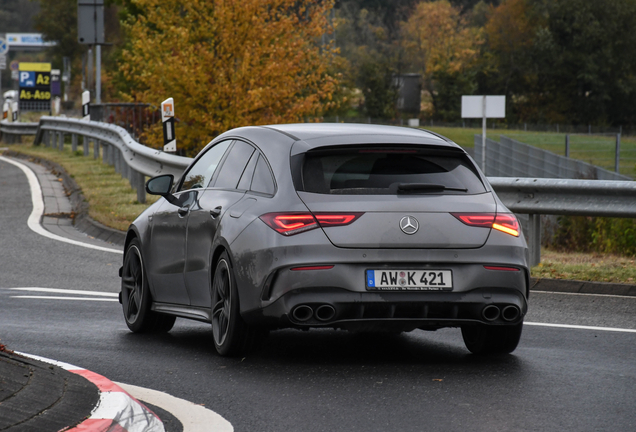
[116, 411]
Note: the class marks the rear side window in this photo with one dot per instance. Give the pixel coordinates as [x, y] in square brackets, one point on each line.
[263, 181]
[382, 171]
[234, 165]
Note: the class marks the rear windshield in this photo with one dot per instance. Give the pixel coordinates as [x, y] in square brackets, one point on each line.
[383, 171]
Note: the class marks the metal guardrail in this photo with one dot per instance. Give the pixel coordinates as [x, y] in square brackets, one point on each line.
[132, 160]
[537, 196]
[532, 196]
[12, 132]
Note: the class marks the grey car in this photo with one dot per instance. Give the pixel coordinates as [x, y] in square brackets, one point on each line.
[358, 227]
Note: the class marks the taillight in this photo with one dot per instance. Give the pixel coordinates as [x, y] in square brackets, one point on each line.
[294, 223]
[504, 222]
[336, 219]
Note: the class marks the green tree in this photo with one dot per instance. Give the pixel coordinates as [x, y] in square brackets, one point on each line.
[16, 16]
[57, 21]
[507, 63]
[586, 57]
[368, 36]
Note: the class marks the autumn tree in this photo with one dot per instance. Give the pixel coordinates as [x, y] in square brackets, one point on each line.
[442, 47]
[229, 64]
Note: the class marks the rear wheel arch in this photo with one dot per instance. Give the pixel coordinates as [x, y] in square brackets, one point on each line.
[130, 235]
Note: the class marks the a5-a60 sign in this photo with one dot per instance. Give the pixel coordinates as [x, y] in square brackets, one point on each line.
[35, 82]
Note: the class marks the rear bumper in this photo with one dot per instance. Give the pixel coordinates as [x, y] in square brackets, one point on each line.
[402, 311]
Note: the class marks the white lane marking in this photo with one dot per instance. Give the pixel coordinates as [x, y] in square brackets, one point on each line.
[194, 418]
[580, 327]
[38, 209]
[66, 291]
[583, 294]
[66, 298]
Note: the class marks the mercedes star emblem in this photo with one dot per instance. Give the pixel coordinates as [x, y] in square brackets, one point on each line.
[409, 225]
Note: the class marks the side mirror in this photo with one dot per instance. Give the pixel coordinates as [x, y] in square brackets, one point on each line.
[160, 185]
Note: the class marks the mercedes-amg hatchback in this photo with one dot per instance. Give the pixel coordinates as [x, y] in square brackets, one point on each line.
[358, 227]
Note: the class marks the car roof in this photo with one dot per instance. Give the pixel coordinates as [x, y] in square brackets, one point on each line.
[312, 131]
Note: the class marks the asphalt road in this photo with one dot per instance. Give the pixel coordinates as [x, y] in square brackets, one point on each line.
[559, 379]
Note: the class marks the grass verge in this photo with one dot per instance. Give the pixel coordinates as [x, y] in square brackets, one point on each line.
[597, 150]
[586, 267]
[112, 201]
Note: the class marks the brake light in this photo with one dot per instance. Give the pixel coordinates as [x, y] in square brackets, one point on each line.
[504, 222]
[336, 219]
[294, 223]
[290, 223]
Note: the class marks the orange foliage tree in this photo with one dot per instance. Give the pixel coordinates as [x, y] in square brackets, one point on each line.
[229, 63]
[442, 47]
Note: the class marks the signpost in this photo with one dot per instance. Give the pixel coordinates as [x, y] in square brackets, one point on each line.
[86, 105]
[90, 31]
[167, 119]
[4, 50]
[483, 107]
[35, 86]
[15, 107]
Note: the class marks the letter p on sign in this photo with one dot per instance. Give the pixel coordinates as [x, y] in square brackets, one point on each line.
[167, 118]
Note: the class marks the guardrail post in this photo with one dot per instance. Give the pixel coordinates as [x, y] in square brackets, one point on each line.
[85, 142]
[618, 153]
[105, 151]
[61, 140]
[96, 149]
[125, 168]
[46, 138]
[118, 162]
[74, 143]
[534, 239]
[138, 181]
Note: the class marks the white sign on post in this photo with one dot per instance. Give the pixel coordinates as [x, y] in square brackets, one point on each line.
[483, 107]
[167, 119]
[14, 111]
[86, 105]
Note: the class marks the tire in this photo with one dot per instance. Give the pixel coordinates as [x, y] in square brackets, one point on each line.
[232, 336]
[492, 340]
[135, 296]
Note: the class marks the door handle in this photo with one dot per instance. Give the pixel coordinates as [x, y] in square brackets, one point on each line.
[183, 211]
[215, 212]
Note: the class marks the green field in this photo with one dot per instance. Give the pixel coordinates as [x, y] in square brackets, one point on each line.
[594, 149]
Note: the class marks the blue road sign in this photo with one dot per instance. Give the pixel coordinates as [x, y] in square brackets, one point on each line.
[27, 79]
[4, 46]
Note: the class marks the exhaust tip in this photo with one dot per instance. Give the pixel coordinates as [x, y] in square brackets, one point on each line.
[510, 313]
[302, 313]
[325, 312]
[490, 313]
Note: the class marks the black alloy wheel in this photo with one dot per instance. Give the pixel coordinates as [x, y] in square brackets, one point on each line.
[232, 336]
[221, 302]
[135, 295]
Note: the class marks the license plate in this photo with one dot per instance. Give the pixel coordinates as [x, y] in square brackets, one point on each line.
[409, 280]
